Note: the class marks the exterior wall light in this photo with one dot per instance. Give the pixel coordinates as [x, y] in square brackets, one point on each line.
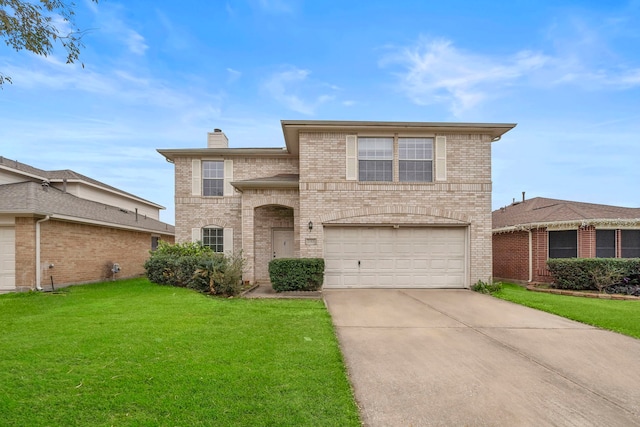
[310, 225]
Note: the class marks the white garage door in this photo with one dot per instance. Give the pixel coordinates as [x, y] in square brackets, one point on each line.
[384, 257]
[7, 259]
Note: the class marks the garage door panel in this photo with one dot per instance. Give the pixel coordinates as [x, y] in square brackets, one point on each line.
[7, 258]
[405, 257]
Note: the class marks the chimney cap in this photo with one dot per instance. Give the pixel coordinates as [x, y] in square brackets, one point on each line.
[217, 130]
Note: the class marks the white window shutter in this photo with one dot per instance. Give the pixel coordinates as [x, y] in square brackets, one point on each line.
[196, 178]
[227, 240]
[228, 177]
[195, 235]
[352, 157]
[441, 158]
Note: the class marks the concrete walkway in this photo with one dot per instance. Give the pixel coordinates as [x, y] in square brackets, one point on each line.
[459, 358]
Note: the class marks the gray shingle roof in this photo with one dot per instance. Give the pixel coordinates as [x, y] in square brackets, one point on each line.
[542, 210]
[60, 175]
[34, 198]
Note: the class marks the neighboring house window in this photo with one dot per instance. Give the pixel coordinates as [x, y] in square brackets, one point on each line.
[605, 243]
[630, 243]
[375, 159]
[213, 238]
[154, 242]
[415, 159]
[563, 244]
[213, 178]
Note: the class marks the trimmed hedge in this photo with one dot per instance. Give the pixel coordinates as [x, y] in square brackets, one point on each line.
[594, 273]
[296, 274]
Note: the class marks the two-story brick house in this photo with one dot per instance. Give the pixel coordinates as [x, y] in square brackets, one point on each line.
[386, 204]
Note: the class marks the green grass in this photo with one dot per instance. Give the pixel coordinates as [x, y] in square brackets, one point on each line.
[618, 316]
[131, 353]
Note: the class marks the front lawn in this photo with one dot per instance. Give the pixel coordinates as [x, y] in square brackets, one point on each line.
[133, 353]
[619, 316]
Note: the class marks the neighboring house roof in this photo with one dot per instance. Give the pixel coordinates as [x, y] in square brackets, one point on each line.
[541, 212]
[292, 128]
[68, 175]
[38, 199]
[277, 181]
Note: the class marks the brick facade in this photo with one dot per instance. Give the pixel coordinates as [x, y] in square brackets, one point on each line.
[79, 253]
[325, 196]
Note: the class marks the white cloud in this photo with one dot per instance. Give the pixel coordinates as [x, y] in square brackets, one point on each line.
[276, 6]
[435, 71]
[233, 75]
[110, 22]
[287, 88]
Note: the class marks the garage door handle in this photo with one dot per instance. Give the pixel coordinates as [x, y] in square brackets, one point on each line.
[358, 263]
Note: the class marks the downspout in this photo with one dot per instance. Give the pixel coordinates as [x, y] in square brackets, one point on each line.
[530, 258]
[38, 272]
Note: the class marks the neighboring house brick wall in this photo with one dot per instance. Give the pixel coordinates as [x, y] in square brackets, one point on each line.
[511, 255]
[587, 242]
[80, 253]
[25, 253]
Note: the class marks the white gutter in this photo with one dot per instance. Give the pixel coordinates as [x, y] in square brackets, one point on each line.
[38, 270]
[602, 222]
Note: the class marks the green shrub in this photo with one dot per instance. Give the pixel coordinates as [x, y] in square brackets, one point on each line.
[296, 274]
[489, 287]
[593, 273]
[196, 267]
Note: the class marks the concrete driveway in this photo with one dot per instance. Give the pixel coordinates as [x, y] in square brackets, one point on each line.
[459, 358]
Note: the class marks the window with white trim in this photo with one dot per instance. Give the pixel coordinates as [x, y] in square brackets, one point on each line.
[563, 244]
[213, 178]
[213, 238]
[415, 159]
[375, 159]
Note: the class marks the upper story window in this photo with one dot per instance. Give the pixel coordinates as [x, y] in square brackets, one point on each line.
[415, 159]
[213, 178]
[375, 159]
[563, 244]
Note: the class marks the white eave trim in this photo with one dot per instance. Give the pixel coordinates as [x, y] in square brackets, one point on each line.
[108, 224]
[599, 222]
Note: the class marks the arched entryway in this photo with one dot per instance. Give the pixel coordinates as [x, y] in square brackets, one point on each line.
[273, 237]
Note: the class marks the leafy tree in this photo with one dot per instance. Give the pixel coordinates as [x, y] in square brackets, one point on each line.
[34, 26]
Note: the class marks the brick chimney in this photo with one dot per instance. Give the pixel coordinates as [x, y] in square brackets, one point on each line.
[217, 139]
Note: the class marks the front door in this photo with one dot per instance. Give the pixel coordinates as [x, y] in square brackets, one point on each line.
[282, 242]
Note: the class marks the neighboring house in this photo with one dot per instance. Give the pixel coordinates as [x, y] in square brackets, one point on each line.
[386, 204]
[64, 228]
[526, 234]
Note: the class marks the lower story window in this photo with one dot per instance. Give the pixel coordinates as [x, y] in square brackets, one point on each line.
[605, 243]
[563, 244]
[630, 243]
[154, 242]
[213, 238]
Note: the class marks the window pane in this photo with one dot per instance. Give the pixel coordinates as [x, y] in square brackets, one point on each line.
[416, 171]
[213, 238]
[212, 187]
[375, 170]
[375, 148]
[563, 244]
[415, 148]
[213, 169]
[630, 243]
[605, 243]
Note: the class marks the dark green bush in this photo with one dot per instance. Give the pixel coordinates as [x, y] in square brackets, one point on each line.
[489, 287]
[593, 273]
[296, 274]
[196, 267]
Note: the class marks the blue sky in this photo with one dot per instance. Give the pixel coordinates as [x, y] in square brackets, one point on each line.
[161, 74]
